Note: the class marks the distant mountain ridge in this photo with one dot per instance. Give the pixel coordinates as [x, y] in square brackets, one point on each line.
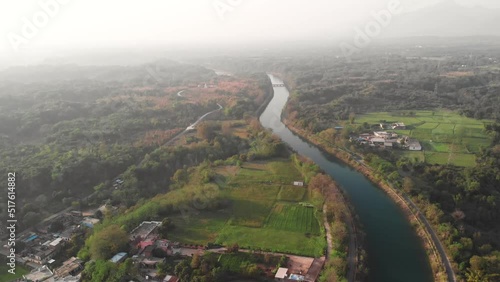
[447, 19]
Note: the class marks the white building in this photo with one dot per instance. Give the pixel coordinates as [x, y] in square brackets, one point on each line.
[414, 145]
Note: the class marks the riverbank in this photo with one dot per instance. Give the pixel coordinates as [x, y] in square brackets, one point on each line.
[411, 212]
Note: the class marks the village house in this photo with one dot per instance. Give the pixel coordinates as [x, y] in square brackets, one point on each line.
[414, 145]
[72, 267]
[90, 222]
[39, 274]
[398, 125]
[144, 230]
[170, 278]
[41, 254]
[119, 257]
[281, 274]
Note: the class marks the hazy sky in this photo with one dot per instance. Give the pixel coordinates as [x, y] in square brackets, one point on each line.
[126, 23]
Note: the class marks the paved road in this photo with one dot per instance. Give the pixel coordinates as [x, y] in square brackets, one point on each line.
[193, 126]
[442, 253]
[435, 239]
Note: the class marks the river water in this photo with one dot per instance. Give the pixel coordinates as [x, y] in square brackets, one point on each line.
[395, 253]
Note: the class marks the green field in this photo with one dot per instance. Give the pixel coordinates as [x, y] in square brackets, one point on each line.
[264, 212]
[6, 276]
[446, 137]
[293, 217]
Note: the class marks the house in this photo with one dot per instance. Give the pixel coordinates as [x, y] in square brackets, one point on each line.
[145, 229]
[147, 251]
[383, 125]
[414, 145]
[90, 222]
[39, 274]
[281, 274]
[380, 133]
[72, 267]
[57, 243]
[388, 145]
[150, 263]
[41, 254]
[119, 257]
[298, 183]
[377, 141]
[398, 125]
[67, 233]
[170, 278]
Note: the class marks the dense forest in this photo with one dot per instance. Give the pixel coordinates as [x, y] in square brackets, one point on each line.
[69, 131]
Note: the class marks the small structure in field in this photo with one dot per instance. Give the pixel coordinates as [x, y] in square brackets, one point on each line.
[145, 229]
[414, 145]
[298, 183]
[398, 125]
[281, 274]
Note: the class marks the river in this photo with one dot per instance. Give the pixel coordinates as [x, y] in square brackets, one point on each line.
[395, 253]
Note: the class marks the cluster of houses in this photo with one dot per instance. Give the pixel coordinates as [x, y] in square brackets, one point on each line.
[145, 245]
[307, 270]
[388, 140]
[41, 246]
[144, 241]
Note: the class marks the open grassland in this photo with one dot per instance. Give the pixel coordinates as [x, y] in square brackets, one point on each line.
[6, 276]
[446, 137]
[265, 212]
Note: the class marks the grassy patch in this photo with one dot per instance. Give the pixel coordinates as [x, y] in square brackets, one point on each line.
[293, 217]
[291, 193]
[271, 239]
[6, 276]
[198, 228]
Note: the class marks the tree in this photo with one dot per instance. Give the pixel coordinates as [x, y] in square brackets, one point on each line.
[180, 176]
[166, 226]
[234, 248]
[107, 242]
[408, 184]
[195, 261]
[226, 127]
[31, 218]
[352, 117]
[56, 226]
[205, 131]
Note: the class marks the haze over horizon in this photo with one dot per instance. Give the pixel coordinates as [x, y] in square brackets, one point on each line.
[81, 26]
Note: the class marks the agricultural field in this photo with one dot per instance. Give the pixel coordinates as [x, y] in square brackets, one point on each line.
[446, 137]
[264, 209]
[293, 217]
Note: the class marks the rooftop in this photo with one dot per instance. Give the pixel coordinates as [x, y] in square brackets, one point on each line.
[170, 278]
[281, 273]
[118, 257]
[55, 242]
[69, 267]
[39, 274]
[144, 229]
